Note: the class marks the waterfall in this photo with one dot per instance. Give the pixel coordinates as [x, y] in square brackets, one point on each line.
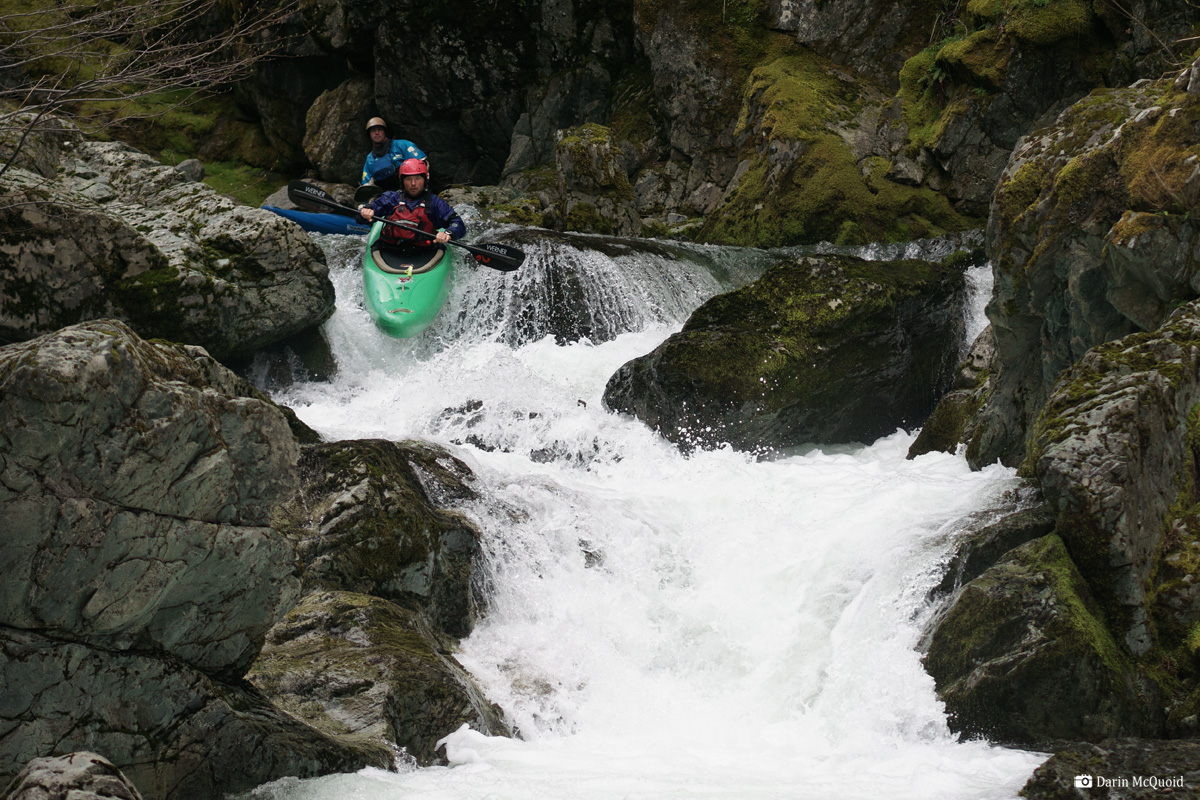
[660, 626]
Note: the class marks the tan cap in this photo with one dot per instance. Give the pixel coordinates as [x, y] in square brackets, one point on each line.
[376, 122]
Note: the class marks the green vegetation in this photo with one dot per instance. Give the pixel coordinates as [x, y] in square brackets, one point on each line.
[147, 72]
[808, 186]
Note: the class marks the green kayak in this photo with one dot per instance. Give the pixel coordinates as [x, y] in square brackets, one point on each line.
[404, 289]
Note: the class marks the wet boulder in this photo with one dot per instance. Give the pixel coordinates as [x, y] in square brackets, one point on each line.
[138, 571]
[365, 520]
[363, 669]
[111, 233]
[820, 349]
[1023, 657]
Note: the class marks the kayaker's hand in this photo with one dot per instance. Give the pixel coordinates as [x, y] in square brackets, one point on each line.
[367, 213]
[442, 237]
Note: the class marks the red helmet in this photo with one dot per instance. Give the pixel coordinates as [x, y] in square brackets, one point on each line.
[414, 166]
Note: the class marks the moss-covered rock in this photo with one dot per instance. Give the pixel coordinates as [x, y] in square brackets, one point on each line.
[1091, 236]
[1024, 657]
[1001, 66]
[594, 193]
[820, 349]
[803, 176]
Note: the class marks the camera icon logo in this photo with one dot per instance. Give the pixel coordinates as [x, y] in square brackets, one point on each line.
[1083, 781]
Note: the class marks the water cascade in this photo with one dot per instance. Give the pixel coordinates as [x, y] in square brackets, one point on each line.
[660, 626]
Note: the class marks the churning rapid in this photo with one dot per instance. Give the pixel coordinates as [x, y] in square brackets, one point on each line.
[659, 626]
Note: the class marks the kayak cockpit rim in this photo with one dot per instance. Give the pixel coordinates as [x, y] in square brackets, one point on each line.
[406, 260]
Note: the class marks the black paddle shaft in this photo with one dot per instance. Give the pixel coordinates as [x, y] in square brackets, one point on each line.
[490, 254]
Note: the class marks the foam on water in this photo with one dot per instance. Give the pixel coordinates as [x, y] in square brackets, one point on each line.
[661, 625]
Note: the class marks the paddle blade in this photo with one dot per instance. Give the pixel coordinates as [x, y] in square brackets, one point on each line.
[497, 256]
[302, 193]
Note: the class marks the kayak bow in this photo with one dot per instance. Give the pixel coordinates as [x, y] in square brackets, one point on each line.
[404, 289]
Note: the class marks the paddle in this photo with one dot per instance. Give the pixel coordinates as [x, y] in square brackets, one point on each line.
[496, 256]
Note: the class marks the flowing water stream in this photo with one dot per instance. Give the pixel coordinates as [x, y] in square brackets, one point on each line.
[660, 626]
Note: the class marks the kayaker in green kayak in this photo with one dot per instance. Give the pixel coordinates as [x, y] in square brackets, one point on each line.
[386, 155]
[416, 206]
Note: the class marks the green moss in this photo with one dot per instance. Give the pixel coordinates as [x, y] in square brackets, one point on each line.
[824, 195]
[1046, 23]
[249, 185]
[1078, 179]
[920, 100]
[585, 217]
[794, 97]
[1158, 157]
[979, 58]
[1039, 22]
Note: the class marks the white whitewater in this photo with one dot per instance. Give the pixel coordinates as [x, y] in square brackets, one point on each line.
[661, 626]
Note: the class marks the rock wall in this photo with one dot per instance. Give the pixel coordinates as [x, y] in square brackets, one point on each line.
[1092, 237]
[1094, 391]
[134, 487]
[899, 117]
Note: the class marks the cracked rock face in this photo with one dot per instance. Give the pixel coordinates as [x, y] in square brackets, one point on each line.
[138, 571]
[129, 497]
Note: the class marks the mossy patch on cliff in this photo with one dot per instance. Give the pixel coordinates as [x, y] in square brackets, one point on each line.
[1040, 22]
[802, 182]
[1159, 154]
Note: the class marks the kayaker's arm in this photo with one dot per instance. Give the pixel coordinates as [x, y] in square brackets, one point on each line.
[381, 207]
[446, 218]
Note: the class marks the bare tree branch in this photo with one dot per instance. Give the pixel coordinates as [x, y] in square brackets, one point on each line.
[71, 56]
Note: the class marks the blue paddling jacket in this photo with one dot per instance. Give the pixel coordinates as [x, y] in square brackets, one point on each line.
[387, 163]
